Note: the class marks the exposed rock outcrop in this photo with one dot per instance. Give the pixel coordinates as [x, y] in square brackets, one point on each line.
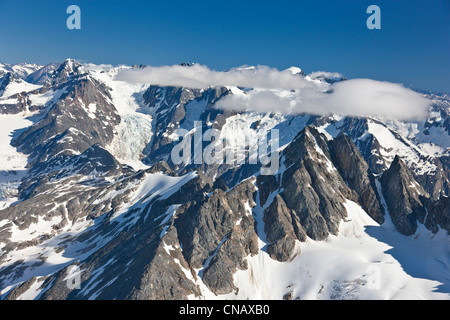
[403, 197]
[355, 171]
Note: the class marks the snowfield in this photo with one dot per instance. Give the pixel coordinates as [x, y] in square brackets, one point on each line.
[365, 261]
[19, 86]
[12, 162]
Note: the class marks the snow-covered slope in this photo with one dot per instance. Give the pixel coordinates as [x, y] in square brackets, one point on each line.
[22, 70]
[12, 163]
[365, 261]
[18, 86]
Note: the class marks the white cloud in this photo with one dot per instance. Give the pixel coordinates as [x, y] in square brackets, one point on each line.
[262, 100]
[365, 97]
[357, 97]
[325, 74]
[288, 92]
[201, 77]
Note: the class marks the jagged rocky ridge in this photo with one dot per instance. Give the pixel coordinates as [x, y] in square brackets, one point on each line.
[170, 232]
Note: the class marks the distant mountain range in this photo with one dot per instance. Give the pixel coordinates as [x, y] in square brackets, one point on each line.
[357, 209]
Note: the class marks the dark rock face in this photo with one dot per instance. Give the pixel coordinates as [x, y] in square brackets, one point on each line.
[409, 204]
[282, 227]
[73, 124]
[64, 72]
[312, 187]
[402, 194]
[218, 234]
[158, 260]
[369, 147]
[4, 81]
[355, 171]
[163, 278]
[312, 191]
[440, 210]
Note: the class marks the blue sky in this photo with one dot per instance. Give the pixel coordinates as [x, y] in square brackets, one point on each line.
[412, 47]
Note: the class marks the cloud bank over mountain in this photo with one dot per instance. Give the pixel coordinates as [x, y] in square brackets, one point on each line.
[287, 91]
[201, 77]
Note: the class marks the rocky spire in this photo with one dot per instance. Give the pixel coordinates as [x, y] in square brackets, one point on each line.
[403, 197]
[356, 172]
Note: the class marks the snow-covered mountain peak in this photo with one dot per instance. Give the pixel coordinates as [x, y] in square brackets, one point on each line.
[20, 70]
[295, 70]
[90, 181]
